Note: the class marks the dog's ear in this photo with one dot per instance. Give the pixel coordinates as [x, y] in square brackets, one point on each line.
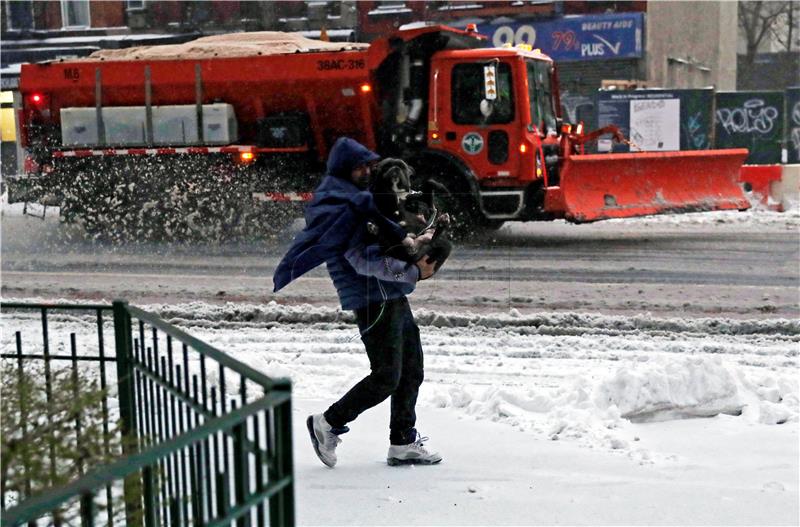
[391, 163]
[386, 163]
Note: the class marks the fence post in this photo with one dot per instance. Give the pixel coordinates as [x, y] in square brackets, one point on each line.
[281, 505]
[87, 509]
[241, 472]
[127, 405]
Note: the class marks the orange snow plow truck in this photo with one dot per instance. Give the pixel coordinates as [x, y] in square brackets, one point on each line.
[207, 137]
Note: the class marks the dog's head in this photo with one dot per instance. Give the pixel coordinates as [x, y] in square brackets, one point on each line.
[392, 177]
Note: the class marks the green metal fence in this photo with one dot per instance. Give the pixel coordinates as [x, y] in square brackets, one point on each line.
[203, 439]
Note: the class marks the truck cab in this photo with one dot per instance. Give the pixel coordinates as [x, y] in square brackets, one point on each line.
[493, 109]
[478, 120]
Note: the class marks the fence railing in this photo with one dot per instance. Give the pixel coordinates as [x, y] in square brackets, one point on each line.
[190, 436]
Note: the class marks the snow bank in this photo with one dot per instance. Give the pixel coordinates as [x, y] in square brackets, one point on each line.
[600, 412]
[757, 215]
[660, 389]
[234, 314]
[557, 324]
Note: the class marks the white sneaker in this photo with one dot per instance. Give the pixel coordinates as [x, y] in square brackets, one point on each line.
[412, 454]
[323, 439]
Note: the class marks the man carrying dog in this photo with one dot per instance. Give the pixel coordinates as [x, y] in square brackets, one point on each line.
[374, 286]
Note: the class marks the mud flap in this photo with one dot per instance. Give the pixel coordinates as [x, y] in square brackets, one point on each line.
[603, 186]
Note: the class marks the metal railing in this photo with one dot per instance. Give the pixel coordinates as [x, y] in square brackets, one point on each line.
[203, 438]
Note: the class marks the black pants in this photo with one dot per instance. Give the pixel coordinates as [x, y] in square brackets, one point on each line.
[395, 357]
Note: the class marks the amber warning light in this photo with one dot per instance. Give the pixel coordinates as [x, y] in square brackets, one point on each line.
[366, 88]
[246, 157]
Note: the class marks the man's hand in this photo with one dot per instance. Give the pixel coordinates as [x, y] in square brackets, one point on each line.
[426, 268]
[414, 244]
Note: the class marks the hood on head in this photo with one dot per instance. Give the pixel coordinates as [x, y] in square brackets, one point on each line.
[346, 155]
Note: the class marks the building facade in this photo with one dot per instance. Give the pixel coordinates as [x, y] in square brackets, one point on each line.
[694, 45]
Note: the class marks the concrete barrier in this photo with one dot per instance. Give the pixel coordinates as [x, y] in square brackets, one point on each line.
[787, 190]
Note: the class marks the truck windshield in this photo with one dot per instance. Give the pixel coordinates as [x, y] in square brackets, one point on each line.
[540, 93]
[468, 91]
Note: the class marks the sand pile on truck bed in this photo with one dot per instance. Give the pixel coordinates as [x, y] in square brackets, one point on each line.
[227, 46]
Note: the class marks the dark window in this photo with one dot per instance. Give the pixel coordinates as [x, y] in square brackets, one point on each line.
[468, 91]
[20, 14]
[75, 13]
[540, 93]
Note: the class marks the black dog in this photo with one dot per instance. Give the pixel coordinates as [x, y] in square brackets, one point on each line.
[414, 211]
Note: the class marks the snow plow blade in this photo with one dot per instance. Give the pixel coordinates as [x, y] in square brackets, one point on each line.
[603, 186]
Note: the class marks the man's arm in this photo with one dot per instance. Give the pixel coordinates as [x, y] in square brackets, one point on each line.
[367, 261]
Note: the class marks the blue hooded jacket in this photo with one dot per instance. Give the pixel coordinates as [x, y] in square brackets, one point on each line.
[335, 231]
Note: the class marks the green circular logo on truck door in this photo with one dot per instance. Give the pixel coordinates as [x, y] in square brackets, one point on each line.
[472, 143]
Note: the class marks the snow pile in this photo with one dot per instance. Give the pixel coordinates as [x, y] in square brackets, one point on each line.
[648, 390]
[228, 45]
[561, 413]
[770, 399]
[600, 412]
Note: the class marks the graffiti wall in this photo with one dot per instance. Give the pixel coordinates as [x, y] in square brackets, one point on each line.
[767, 123]
[793, 124]
[752, 120]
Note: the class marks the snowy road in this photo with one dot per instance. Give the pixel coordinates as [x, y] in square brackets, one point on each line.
[702, 264]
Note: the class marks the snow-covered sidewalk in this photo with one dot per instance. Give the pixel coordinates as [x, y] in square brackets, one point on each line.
[718, 473]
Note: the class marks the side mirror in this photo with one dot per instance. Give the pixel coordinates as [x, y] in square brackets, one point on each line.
[487, 107]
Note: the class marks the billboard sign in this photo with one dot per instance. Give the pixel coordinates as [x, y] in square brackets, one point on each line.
[657, 120]
[570, 38]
